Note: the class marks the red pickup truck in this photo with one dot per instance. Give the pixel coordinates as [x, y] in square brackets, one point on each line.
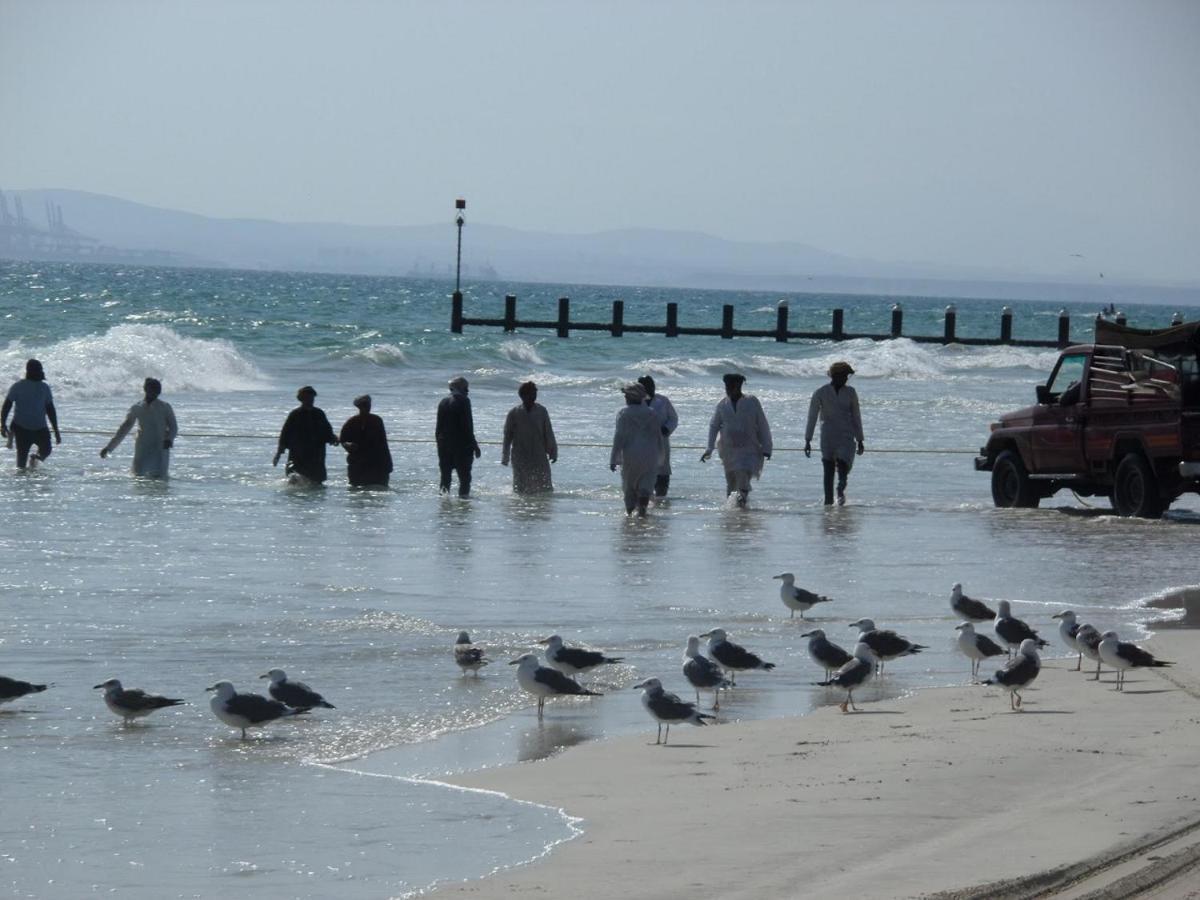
[1119, 418]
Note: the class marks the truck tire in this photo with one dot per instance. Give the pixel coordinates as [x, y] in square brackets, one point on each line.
[1011, 487]
[1135, 488]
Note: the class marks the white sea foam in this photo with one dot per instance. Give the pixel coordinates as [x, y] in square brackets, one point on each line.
[388, 355]
[520, 351]
[115, 363]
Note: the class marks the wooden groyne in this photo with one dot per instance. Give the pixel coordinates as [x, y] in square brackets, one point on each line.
[617, 326]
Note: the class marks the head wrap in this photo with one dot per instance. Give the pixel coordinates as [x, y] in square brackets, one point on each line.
[458, 384]
[634, 393]
[34, 371]
[733, 379]
[363, 401]
[841, 367]
[307, 389]
[648, 383]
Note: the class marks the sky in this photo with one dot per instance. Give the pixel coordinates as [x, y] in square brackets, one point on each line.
[1006, 135]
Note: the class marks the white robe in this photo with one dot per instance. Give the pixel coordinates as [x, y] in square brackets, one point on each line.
[841, 422]
[669, 421]
[156, 428]
[743, 433]
[636, 448]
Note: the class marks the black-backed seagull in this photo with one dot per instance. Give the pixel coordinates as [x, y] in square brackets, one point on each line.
[885, 645]
[1068, 627]
[1019, 672]
[853, 674]
[976, 647]
[702, 673]
[467, 656]
[295, 694]
[1121, 656]
[666, 708]
[12, 689]
[574, 661]
[1012, 631]
[133, 703]
[825, 653]
[797, 599]
[544, 682]
[247, 710]
[1087, 639]
[731, 657]
[967, 608]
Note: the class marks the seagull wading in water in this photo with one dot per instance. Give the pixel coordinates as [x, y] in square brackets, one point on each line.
[13, 689]
[666, 708]
[1019, 672]
[968, 609]
[1121, 656]
[295, 694]
[702, 673]
[544, 682]
[854, 674]
[247, 710]
[467, 656]
[797, 599]
[825, 653]
[976, 647]
[1068, 628]
[574, 661]
[133, 703]
[731, 657]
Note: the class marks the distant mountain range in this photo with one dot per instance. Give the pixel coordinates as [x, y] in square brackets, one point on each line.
[80, 225]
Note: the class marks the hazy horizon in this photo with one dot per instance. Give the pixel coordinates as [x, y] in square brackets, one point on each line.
[1042, 139]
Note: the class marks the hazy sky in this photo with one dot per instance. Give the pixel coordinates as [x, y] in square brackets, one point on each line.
[1005, 134]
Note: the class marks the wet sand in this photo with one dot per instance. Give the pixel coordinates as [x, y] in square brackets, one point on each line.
[1088, 792]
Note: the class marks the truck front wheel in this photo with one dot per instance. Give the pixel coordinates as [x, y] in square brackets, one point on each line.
[1135, 489]
[1010, 482]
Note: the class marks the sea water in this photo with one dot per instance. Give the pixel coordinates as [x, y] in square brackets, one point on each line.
[227, 571]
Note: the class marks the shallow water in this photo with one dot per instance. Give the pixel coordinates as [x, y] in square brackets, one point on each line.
[226, 571]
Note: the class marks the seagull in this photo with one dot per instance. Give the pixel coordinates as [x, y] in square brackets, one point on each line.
[574, 660]
[702, 672]
[1067, 629]
[468, 657]
[11, 689]
[853, 674]
[797, 598]
[1013, 632]
[1019, 672]
[247, 710]
[543, 682]
[666, 708]
[295, 694]
[731, 657]
[1121, 656]
[825, 653]
[1087, 639]
[884, 645]
[132, 704]
[967, 608]
[976, 647]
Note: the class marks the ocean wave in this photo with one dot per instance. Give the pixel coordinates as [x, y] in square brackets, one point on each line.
[520, 351]
[115, 363]
[387, 355]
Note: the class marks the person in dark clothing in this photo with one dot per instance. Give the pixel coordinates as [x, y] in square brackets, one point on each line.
[304, 436]
[455, 433]
[368, 460]
[34, 405]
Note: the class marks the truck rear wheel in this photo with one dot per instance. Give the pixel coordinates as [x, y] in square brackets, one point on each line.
[1135, 489]
[1011, 486]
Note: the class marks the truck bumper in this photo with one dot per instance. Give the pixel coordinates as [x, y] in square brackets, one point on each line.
[1189, 469]
[982, 464]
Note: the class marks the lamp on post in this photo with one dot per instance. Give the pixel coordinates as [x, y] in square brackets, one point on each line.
[460, 204]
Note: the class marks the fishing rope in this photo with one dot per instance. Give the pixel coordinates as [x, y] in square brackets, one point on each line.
[585, 444]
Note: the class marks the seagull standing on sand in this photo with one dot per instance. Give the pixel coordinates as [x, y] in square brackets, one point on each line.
[1067, 629]
[976, 647]
[1013, 632]
[12, 689]
[825, 653]
[544, 682]
[1019, 672]
[1087, 639]
[884, 645]
[574, 661]
[247, 710]
[666, 708]
[295, 694]
[797, 598]
[853, 674]
[1121, 656]
[732, 657]
[132, 704]
[467, 656]
[702, 673]
[967, 608]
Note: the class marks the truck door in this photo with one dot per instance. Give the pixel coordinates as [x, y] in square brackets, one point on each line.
[1057, 434]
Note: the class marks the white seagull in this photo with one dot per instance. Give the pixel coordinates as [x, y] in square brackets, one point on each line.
[247, 710]
[666, 708]
[1068, 627]
[853, 674]
[976, 647]
[132, 704]
[467, 656]
[1019, 672]
[544, 682]
[967, 608]
[730, 656]
[1121, 656]
[702, 673]
[797, 599]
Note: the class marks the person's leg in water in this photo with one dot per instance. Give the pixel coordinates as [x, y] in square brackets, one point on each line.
[843, 472]
[24, 439]
[730, 482]
[41, 439]
[463, 468]
[828, 466]
[631, 499]
[741, 479]
[661, 484]
[446, 466]
[643, 501]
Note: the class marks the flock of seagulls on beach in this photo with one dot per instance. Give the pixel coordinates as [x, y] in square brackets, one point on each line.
[1015, 640]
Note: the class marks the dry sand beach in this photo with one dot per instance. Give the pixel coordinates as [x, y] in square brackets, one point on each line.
[945, 793]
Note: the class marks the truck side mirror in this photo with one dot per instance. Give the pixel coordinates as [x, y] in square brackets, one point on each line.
[1043, 393]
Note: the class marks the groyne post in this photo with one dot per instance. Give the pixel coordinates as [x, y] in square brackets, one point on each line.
[727, 321]
[897, 320]
[1064, 328]
[839, 317]
[456, 313]
[510, 312]
[1006, 325]
[951, 323]
[781, 322]
[618, 319]
[564, 317]
[672, 320]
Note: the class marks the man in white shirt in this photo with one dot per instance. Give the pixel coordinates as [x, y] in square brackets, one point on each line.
[661, 405]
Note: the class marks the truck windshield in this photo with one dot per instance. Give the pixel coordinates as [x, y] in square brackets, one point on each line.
[1070, 370]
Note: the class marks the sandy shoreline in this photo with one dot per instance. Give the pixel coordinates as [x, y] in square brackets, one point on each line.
[944, 791]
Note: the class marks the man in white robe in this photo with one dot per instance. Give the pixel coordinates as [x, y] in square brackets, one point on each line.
[529, 443]
[745, 437]
[637, 449]
[661, 404]
[836, 404]
[156, 433]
